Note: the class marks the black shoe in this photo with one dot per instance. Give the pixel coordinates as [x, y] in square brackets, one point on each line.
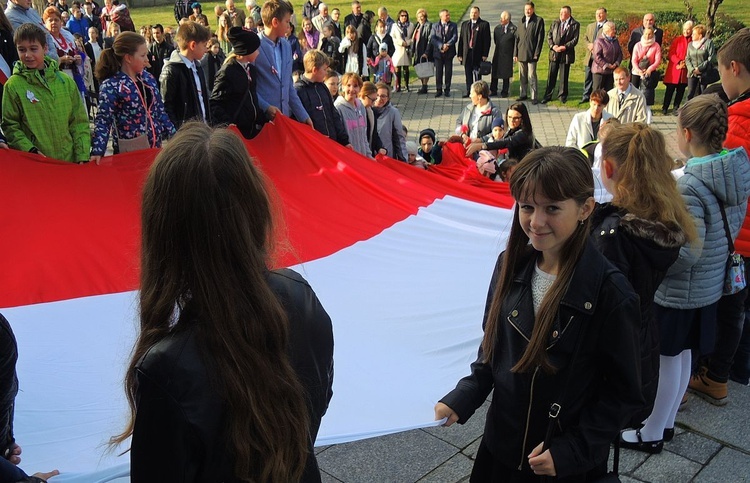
[439, 93]
[522, 98]
[664, 111]
[563, 99]
[584, 100]
[535, 101]
[447, 93]
[422, 90]
[493, 93]
[406, 89]
[668, 434]
[465, 96]
[503, 95]
[650, 447]
[544, 101]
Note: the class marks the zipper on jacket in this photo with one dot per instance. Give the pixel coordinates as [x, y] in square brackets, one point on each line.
[517, 329]
[528, 419]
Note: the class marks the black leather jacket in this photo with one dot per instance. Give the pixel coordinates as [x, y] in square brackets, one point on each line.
[604, 390]
[179, 428]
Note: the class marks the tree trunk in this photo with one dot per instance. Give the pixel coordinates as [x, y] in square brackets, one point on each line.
[713, 6]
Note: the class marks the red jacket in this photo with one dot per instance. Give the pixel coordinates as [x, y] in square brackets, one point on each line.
[677, 53]
[739, 135]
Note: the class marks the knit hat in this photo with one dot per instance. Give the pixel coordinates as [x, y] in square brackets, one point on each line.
[384, 47]
[498, 122]
[243, 41]
[411, 147]
[427, 132]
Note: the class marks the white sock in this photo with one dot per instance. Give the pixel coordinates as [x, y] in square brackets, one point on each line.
[668, 391]
[686, 371]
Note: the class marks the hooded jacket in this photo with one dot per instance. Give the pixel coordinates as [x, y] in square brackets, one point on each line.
[601, 309]
[391, 131]
[180, 91]
[696, 279]
[316, 98]
[643, 250]
[43, 109]
[355, 122]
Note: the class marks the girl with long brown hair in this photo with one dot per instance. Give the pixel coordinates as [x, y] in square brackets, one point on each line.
[232, 370]
[560, 327]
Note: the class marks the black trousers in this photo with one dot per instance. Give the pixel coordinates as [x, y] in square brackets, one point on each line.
[588, 80]
[504, 89]
[443, 72]
[561, 70]
[672, 89]
[471, 71]
[604, 81]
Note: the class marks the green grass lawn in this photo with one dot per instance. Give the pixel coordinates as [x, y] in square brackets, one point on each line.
[583, 11]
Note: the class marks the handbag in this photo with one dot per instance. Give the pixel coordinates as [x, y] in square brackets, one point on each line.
[734, 278]
[485, 67]
[135, 144]
[425, 69]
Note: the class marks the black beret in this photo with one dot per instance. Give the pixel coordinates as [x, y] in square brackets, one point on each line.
[243, 41]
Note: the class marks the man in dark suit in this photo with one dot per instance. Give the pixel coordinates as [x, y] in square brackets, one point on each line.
[562, 39]
[649, 22]
[594, 31]
[529, 44]
[502, 60]
[443, 42]
[357, 20]
[473, 46]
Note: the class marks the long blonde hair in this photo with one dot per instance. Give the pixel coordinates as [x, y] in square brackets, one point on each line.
[644, 185]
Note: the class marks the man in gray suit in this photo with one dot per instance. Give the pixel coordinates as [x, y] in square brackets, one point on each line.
[502, 60]
[529, 45]
[594, 31]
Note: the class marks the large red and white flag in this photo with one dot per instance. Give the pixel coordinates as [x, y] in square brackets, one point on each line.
[400, 258]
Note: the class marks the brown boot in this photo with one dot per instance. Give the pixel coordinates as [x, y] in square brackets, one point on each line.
[707, 389]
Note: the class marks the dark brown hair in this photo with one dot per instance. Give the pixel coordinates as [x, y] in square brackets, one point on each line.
[110, 60]
[207, 224]
[191, 31]
[558, 174]
[30, 32]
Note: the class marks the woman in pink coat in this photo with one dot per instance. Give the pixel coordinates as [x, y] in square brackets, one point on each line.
[676, 76]
[646, 60]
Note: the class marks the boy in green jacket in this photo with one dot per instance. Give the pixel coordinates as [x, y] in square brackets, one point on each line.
[43, 112]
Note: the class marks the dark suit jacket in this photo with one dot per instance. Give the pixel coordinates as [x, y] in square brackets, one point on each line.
[363, 28]
[569, 39]
[637, 33]
[530, 40]
[481, 42]
[442, 36]
[505, 44]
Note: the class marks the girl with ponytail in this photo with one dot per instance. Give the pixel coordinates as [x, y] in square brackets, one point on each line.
[560, 327]
[685, 302]
[642, 229]
[233, 366]
[129, 99]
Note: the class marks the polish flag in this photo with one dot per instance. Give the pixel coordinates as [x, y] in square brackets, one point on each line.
[401, 259]
[5, 70]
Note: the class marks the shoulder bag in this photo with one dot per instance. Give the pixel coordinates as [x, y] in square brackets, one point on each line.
[734, 279]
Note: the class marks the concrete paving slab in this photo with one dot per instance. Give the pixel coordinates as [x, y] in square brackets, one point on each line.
[728, 465]
[667, 468]
[455, 469]
[694, 447]
[629, 460]
[471, 450]
[727, 424]
[402, 457]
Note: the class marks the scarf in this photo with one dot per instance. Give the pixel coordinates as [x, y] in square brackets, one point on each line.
[648, 43]
[403, 27]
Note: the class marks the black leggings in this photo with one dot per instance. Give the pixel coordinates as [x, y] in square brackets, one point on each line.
[671, 89]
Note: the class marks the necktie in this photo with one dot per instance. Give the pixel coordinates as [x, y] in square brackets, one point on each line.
[622, 97]
[471, 38]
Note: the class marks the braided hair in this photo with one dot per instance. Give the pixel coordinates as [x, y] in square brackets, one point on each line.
[706, 117]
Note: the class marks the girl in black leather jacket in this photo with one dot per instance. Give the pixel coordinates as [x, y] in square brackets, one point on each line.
[560, 327]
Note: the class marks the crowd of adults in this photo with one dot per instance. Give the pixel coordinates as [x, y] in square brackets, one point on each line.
[70, 66]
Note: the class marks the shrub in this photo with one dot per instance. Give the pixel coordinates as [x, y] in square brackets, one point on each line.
[725, 27]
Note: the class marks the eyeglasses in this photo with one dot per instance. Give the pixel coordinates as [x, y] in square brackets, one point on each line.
[373, 98]
[403, 15]
[382, 96]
